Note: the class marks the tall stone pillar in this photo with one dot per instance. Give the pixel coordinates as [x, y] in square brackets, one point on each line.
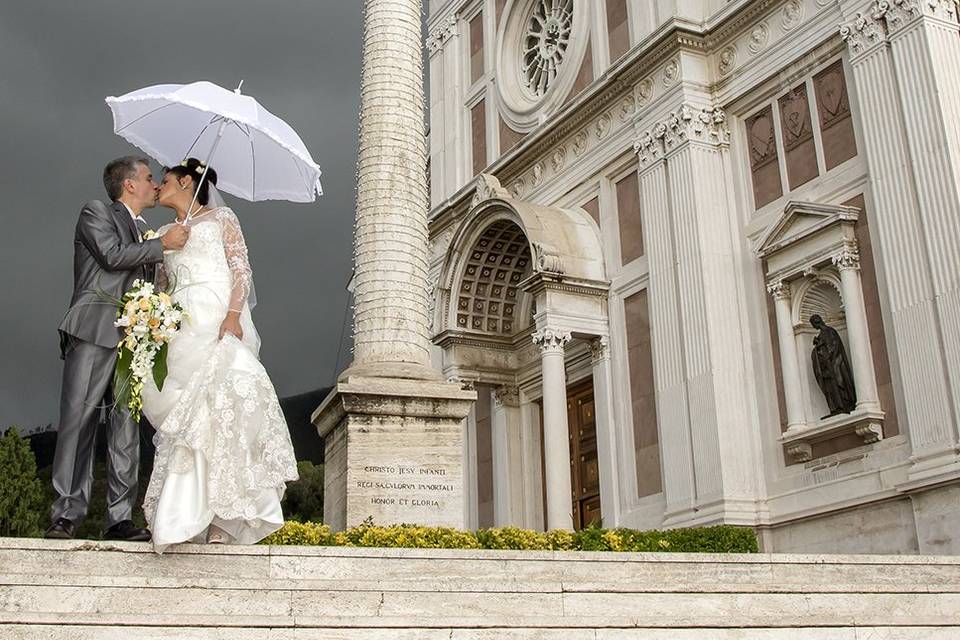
[606, 429]
[789, 362]
[858, 333]
[507, 457]
[708, 354]
[556, 431]
[673, 408]
[899, 51]
[395, 424]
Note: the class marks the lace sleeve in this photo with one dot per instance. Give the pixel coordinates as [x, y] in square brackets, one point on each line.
[235, 249]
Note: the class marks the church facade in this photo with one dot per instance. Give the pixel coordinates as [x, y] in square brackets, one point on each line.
[640, 209]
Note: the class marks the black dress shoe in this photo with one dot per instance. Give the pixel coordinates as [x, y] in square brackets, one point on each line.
[61, 529]
[126, 530]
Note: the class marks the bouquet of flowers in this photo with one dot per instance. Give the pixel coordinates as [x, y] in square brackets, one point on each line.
[149, 320]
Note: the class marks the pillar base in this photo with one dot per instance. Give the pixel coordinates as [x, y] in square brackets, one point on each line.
[394, 452]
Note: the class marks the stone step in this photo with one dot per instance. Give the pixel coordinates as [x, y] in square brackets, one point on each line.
[93, 589]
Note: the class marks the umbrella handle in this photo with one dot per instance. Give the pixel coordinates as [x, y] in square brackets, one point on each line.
[206, 167]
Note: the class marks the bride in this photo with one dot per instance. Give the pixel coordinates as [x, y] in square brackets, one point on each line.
[223, 448]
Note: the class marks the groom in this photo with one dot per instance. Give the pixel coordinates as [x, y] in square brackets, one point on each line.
[109, 254]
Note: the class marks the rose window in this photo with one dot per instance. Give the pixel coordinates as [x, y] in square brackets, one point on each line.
[545, 43]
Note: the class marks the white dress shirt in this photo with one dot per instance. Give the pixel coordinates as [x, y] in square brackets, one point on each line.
[135, 219]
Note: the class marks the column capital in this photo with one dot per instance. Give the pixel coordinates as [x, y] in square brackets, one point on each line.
[599, 349]
[899, 13]
[865, 31]
[779, 289]
[847, 258]
[506, 395]
[443, 32]
[551, 340]
[686, 124]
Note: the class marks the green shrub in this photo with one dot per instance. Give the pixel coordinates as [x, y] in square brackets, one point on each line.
[21, 493]
[303, 500]
[718, 539]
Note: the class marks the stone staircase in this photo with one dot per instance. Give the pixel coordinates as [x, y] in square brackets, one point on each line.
[95, 590]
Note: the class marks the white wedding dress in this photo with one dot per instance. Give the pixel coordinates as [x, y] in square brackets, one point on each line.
[223, 448]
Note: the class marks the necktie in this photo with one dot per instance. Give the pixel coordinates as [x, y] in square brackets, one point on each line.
[141, 228]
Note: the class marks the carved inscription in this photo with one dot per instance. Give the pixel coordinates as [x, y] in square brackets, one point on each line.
[405, 486]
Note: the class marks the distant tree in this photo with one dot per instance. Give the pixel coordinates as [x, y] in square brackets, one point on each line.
[304, 498]
[21, 493]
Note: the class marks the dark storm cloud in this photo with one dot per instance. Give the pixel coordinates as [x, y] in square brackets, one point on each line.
[58, 60]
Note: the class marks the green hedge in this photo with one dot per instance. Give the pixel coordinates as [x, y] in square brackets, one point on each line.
[21, 493]
[719, 539]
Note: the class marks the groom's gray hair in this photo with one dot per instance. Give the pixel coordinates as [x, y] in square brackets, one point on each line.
[119, 170]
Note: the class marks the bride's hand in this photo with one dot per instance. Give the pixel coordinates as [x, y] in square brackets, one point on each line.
[231, 324]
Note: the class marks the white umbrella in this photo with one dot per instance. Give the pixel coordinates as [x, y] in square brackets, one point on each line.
[258, 155]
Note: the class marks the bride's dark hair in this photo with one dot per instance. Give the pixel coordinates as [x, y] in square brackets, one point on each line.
[194, 168]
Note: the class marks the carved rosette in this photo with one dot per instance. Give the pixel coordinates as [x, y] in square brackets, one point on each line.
[439, 36]
[599, 349]
[551, 341]
[506, 395]
[779, 290]
[848, 258]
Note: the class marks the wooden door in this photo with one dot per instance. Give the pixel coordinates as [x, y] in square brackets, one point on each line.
[584, 466]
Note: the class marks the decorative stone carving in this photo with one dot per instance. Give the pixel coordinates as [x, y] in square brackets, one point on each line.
[559, 159]
[645, 91]
[551, 340]
[602, 128]
[870, 432]
[439, 36]
[865, 31]
[800, 452]
[671, 73]
[705, 125]
[599, 349]
[517, 188]
[759, 37]
[627, 108]
[548, 259]
[792, 15]
[580, 143]
[848, 258]
[506, 395]
[728, 60]
[487, 187]
[538, 174]
[545, 43]
[779, 289]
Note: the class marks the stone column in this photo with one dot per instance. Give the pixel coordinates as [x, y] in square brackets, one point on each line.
[858, 333]
[899, 220]
[711, 354]
[606, 431]
[396, 422]
[556, 432]
[789, 363]
[507, 457]
[673, 406]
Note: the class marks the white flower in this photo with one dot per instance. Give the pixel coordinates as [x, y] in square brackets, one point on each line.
[149, 234]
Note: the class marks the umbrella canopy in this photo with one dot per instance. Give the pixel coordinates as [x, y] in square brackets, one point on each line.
[258, 156]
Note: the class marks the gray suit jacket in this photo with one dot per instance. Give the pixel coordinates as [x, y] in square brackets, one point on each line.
[107, 257]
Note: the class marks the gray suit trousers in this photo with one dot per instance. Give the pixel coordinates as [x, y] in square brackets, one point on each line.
[87, 382]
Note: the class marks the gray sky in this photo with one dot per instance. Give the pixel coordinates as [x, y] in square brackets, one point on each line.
[58, 60]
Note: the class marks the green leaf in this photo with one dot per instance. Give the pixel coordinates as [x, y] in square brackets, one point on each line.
[121, 377]
[160, 366]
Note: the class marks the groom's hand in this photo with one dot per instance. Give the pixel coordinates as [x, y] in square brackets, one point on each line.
[175, 237]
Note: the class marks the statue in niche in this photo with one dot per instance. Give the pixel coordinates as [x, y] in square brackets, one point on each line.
[832, 370]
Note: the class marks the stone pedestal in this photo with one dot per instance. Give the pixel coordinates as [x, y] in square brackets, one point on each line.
[394, 452]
